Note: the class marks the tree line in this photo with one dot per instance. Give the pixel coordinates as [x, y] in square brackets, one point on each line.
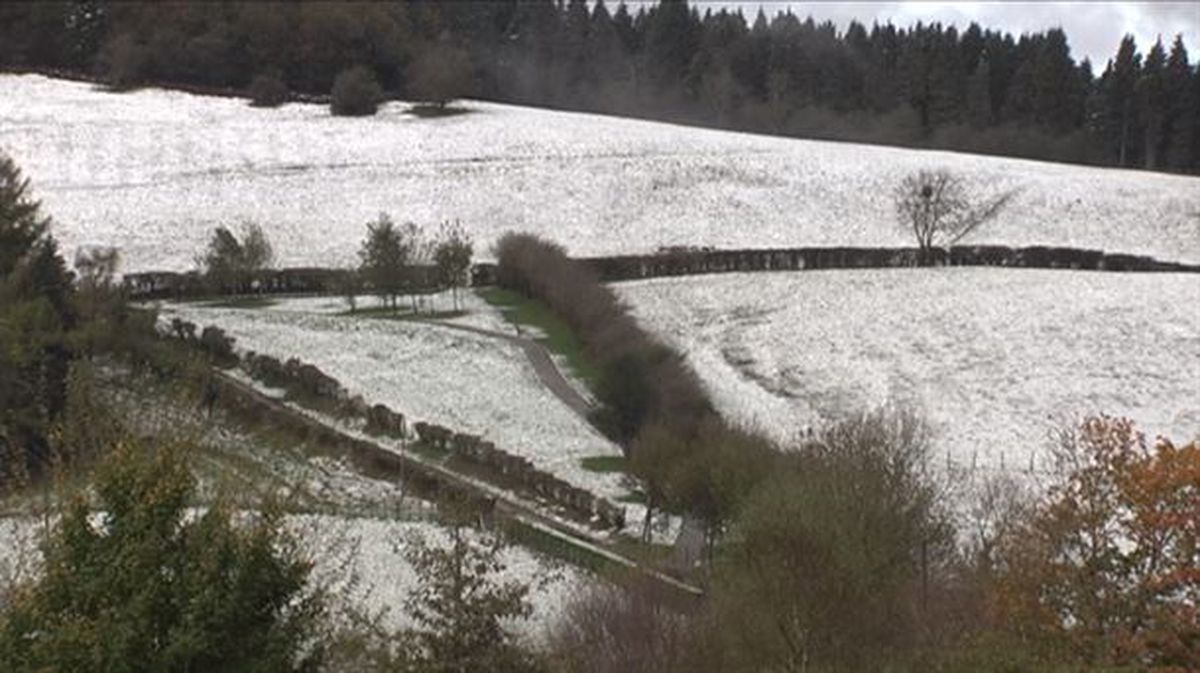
[394, 259]
[929, 85]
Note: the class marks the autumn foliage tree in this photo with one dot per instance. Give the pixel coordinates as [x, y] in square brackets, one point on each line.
[1107, 568]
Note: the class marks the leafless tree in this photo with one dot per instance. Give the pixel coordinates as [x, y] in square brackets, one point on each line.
[452, 256]
[940, 210]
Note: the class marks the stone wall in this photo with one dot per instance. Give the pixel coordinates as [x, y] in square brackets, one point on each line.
[307, 383]
[477, 451]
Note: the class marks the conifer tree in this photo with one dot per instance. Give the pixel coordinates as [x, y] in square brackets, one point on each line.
[1118, 92]
[1179, 125]
[979, 95]
[1152, 104]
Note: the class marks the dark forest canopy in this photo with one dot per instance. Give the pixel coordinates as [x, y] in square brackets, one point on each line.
[930, 85]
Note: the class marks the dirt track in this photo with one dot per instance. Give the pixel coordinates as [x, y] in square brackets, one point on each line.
[543, 365]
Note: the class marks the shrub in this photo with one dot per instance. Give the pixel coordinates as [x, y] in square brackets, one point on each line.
[356, 93]
[267, 90]
[826, 559]
[145, 587]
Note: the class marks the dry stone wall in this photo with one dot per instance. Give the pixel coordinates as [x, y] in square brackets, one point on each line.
[306, 382]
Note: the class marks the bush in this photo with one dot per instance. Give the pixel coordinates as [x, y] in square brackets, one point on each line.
[267, 91]
[826, 560]
[356, 93]
[146, 587]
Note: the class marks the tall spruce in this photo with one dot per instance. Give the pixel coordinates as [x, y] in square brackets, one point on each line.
[1153, 107]
[1181, 113]
[1120, 112]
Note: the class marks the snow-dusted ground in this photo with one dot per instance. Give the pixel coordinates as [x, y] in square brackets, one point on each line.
[995, 358]
[359, 559]
[474, 311]
[464, 381]
[153, 172]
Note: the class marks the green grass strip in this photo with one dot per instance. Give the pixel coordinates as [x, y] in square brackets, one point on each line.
[558, 338]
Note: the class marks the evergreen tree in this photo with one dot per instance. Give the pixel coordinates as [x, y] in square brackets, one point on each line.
[1057, 96]
[1152, 103]
[670, 44]
[145, 587]
[979, 95]
[1181, 104]
[36, 310]
[1020, 101]
[1120, 122]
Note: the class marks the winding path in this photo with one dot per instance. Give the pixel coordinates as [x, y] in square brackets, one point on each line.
[543, 364]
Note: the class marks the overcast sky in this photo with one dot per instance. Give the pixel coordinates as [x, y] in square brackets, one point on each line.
[1094, 29]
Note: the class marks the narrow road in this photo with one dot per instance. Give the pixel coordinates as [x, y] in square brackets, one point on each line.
[543, 365]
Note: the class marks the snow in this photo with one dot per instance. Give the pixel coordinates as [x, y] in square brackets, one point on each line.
[153, 172]
[473, 310]
[996, 359]
[464, 381]
[359, 560]
[370, 550]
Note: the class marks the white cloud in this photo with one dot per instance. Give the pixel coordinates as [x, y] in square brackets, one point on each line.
[1094, 29]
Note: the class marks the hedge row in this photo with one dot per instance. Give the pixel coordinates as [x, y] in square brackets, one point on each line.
[641, 379]
[686, 261]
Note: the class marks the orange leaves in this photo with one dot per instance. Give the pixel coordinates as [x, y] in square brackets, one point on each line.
[1108, 563]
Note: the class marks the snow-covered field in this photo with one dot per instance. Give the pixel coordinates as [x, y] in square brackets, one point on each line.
[153, 172]
[995, 358]
[464, 381]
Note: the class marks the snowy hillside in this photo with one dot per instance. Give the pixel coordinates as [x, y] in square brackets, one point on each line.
[153, 171]
[996, 359]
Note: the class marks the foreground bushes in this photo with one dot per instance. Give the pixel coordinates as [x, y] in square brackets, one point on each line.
[147, 588]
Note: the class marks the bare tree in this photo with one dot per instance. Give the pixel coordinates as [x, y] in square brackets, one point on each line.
[939, 209]
[452, 256]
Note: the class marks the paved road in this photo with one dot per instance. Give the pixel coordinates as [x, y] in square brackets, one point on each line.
[542, 362]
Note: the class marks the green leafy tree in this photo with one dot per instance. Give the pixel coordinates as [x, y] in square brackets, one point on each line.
[384, 257]
[138, 584]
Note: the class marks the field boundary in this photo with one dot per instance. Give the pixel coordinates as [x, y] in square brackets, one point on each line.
[146, 285]
[431, 477]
